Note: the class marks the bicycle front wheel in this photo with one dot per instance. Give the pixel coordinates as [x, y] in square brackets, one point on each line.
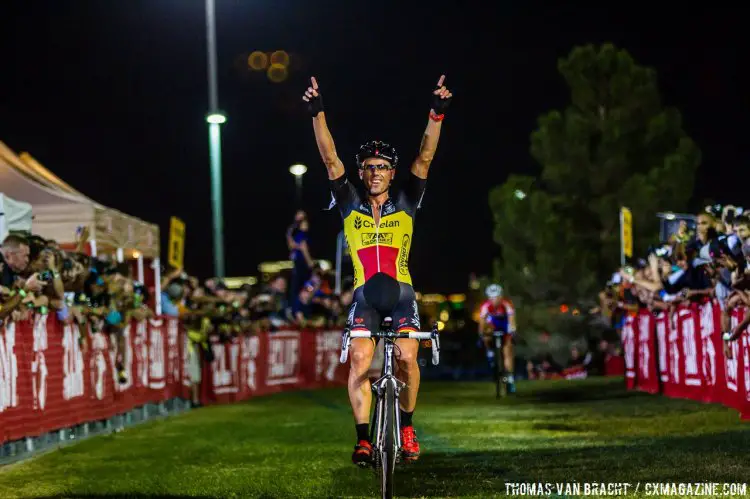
[388, 450]
[500, 387]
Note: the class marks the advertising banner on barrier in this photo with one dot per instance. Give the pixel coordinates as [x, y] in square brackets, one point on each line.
[52, 377]
[647, 374]
[688, 351]
[628, 343]
[272, 362]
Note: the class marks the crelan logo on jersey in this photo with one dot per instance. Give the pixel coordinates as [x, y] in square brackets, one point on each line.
[369, 238]
[370, 224]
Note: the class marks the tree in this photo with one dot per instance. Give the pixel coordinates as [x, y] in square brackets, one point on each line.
[614, 145]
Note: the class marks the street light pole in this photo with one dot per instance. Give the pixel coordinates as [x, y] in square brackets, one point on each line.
[298, 171]
[298, 185]
[215, 118]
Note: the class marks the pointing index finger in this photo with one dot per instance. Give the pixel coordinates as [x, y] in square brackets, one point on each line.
[314, 83]
[440, 81]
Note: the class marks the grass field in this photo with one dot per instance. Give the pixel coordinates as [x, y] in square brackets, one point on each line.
[299, 445]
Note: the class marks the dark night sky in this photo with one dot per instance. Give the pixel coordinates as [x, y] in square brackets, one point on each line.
[111, 96]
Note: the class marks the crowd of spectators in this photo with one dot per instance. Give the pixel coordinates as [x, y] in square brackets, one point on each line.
[704, 260]
[101, 295]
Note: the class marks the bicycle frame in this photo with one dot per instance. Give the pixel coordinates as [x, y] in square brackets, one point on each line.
[379, 387]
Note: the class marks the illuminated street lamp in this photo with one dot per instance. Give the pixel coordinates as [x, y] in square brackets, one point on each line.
[298, 171]
[215, 118]
[519, 194]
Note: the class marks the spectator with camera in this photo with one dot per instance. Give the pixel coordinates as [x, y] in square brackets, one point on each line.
[713, 263]
[14, 289]
[297, 241]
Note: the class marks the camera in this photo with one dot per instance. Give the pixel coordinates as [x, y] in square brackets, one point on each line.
[46, 276]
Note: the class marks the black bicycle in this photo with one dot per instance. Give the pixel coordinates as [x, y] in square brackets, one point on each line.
[385, 435]
[501, 380]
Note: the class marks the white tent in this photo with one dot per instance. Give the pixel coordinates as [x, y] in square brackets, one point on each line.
[59, 210]
[14, 215]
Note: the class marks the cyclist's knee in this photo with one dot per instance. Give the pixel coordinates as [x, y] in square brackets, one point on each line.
[407, 357]
[361, 359]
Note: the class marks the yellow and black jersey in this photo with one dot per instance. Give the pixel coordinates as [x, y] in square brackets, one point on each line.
[384, 247]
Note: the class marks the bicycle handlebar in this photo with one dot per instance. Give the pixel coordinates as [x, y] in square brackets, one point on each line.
[414, 335]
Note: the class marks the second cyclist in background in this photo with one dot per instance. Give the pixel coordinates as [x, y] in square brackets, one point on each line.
[498, 315]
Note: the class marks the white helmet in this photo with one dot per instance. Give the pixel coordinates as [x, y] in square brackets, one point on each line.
[494, 291]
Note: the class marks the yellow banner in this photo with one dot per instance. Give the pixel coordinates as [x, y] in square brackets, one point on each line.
[176, 243]
[626, 227]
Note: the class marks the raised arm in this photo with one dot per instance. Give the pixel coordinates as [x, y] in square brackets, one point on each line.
[323, 137]
[441, 98]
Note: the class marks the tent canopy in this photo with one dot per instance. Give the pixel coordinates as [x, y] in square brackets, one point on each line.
[14, 215]
[58, 209]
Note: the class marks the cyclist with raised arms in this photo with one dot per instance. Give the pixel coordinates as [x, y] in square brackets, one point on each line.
[378, 229]
[498, 315]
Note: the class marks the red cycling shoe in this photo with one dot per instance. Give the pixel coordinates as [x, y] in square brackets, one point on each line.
[409, 444]
[362, 455]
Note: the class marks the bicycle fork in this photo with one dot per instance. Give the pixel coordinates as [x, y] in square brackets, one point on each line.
[379, 390]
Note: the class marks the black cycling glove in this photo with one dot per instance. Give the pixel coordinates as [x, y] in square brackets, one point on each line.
[315, 105]
[440, 105]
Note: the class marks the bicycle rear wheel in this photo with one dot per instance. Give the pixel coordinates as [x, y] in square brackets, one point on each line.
[388, 451]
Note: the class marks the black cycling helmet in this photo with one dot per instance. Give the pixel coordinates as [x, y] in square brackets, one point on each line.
[377, 149]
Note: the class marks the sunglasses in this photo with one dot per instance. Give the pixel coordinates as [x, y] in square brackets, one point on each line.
[379, 167]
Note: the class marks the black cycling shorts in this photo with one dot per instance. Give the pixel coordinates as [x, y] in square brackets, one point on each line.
[380, 297]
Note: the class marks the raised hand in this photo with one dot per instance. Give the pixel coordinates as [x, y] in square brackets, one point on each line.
[313, 98]
[441, 97]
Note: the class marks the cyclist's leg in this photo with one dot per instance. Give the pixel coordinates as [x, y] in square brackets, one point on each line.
[361, 316]
[489, 350]
[406, 318]
[509, 359]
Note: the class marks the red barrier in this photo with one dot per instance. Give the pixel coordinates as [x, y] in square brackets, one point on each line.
[682, 355]
[48, 382]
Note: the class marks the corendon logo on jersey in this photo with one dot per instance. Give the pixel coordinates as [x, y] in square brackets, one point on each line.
[8, 368]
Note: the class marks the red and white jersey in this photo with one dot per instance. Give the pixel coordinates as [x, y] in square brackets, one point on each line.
[502, 314]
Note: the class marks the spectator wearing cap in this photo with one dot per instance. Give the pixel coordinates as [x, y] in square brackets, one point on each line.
[172, 292]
